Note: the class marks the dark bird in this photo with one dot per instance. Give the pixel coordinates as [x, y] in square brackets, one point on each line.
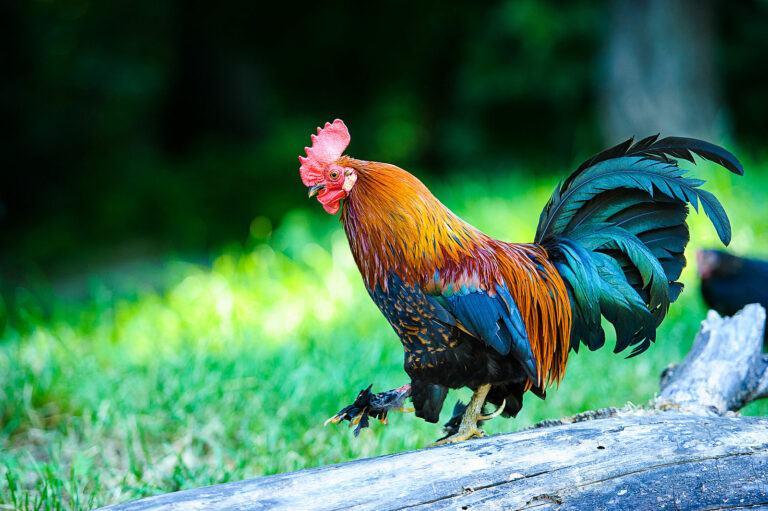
[498, 317]
[729, 282]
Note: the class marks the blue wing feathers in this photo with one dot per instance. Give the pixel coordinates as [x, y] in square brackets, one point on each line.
[495, 320]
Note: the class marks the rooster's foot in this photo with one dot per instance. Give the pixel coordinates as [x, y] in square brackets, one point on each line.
[463, 434]
[367, 404]
[471, 417]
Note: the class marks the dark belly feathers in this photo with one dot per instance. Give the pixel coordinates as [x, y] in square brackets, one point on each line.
[439, 355]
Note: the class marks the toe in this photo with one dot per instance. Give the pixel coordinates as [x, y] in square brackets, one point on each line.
[461, 436]
[332, 420]
[494, 414]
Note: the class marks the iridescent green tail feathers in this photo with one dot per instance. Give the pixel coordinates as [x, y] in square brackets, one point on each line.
[616, 231]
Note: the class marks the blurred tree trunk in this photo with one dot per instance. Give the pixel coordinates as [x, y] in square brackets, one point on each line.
[658, 73]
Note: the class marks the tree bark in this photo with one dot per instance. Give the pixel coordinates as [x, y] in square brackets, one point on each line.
[658, 71]
[725, 369]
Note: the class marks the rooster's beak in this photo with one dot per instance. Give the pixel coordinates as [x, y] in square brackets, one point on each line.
[315, 190]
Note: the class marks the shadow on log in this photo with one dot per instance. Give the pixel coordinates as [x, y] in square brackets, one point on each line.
[687, 449]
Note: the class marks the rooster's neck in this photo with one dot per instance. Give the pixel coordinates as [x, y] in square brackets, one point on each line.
[395, 224]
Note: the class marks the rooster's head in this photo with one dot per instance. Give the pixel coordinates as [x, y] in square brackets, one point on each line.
[323, 170]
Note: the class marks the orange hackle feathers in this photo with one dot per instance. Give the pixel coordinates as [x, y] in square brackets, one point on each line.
[395, 224]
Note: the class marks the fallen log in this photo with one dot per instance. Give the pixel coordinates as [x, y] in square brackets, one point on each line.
[687, 449]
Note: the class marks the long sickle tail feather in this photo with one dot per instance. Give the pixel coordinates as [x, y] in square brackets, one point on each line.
[615, 230]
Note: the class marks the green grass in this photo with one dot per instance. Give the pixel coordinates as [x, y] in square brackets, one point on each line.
[230, 373]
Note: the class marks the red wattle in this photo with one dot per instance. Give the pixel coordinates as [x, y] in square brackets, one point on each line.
[331, 200]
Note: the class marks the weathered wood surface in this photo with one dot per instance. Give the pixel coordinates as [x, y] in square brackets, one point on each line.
[725, 368]
[687, 450]
[640, 461]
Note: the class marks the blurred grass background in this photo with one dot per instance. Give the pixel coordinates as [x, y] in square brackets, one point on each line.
[174, 313]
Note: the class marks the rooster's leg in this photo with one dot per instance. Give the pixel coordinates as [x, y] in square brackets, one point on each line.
[472, 414]
[367, 404]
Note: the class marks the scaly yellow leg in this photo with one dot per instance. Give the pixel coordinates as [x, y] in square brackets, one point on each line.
[473, 413]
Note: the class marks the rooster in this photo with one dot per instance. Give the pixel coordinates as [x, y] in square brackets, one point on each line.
[499, 317]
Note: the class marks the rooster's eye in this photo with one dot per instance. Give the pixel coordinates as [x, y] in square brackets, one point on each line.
[334, 174]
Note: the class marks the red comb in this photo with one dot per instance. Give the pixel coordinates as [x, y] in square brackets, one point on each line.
[327, 146]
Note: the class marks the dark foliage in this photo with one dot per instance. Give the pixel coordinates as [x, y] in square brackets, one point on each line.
[154, 126]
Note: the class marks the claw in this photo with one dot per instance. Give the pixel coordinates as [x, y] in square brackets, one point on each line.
[494, 414]
[332, 420]
[405, 410]
[460, 437]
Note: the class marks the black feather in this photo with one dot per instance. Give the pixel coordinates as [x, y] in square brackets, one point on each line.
[676, 147]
